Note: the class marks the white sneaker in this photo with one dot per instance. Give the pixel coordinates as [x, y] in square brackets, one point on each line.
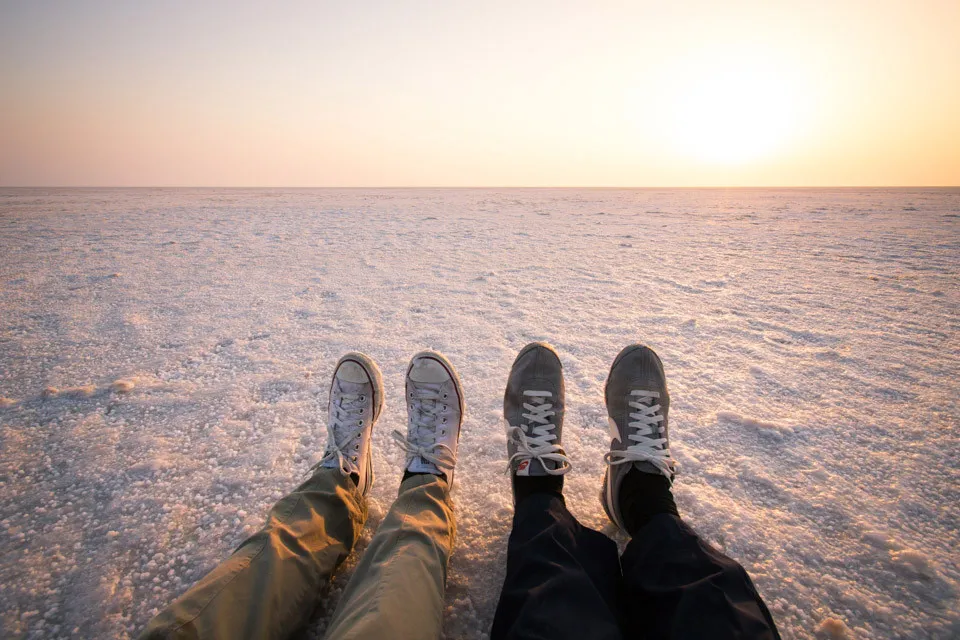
[435, 410]
[356, 400]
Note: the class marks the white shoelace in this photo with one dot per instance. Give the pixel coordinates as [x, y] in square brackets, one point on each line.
[540, 443]
[346, 419]
[425, 424]
[646, 427]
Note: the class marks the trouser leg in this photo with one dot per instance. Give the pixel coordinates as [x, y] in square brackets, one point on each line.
[678, 586]
[269, 586]
[562, 578]
[398, 587]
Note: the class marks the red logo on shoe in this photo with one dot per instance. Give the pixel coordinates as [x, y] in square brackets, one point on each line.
[523, 465]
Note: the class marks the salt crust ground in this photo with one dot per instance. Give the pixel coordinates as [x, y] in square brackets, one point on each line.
[164, 358]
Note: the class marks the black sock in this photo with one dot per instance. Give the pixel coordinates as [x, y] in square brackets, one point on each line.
[356, 479]
[410, 474]
[642, 496]
[523, 486]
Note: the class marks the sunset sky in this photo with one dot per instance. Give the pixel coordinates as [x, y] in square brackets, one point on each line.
[492, 93]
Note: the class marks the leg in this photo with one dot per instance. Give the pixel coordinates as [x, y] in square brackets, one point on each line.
[397, 590]
[562, 578]
[679, 586]
[269, 586]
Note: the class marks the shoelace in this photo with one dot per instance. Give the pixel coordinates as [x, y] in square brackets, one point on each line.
[426, 403]
[540, 443]
[347, 421]
[646, 447]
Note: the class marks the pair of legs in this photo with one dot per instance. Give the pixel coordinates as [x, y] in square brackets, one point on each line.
[270, 585]
[565, 580]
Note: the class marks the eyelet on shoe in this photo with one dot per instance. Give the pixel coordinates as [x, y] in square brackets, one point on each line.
[444, 396]
[443, 432]
[354, 458]
[359, 423]
[362, 398]
[357, 446]
[444, 419]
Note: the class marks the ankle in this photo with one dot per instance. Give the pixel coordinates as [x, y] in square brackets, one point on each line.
[410, 474]
[524, 486]
[642, 496]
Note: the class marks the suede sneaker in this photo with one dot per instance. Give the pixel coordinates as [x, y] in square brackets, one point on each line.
[638, 404]
[533, 407]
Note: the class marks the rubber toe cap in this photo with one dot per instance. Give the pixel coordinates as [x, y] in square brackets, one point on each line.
[350, 371]
[428, 370]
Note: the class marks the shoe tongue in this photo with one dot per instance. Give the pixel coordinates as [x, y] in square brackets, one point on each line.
[531, 424]
[352, 388]
[533, 467]
[419, 464]
[646, 467]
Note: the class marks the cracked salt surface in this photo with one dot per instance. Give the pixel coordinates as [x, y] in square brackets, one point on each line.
[164, 360]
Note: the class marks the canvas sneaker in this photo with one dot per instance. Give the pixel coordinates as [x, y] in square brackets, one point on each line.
[435, 409]
[533, 406]
[638, 404]
[356, 400]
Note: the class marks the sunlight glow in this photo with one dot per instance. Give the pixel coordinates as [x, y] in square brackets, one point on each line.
[735, 112]
[498, 93]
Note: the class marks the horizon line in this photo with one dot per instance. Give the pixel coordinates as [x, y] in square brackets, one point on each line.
[609, 187]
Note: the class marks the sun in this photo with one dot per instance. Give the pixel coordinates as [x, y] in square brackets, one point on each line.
[732, 113]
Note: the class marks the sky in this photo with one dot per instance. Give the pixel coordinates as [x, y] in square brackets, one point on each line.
[493, 93]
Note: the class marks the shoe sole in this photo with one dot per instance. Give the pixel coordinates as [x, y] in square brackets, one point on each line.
[606, 497]
[376, 380]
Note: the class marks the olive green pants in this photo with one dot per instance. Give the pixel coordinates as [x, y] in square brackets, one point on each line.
[270, 585]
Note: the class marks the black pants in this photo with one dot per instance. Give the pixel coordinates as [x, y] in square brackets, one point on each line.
[565, 581]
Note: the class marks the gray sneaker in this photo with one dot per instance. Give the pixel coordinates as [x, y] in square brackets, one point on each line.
[435, 409]
[637, 406]
[533, 406]
[356, 400]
